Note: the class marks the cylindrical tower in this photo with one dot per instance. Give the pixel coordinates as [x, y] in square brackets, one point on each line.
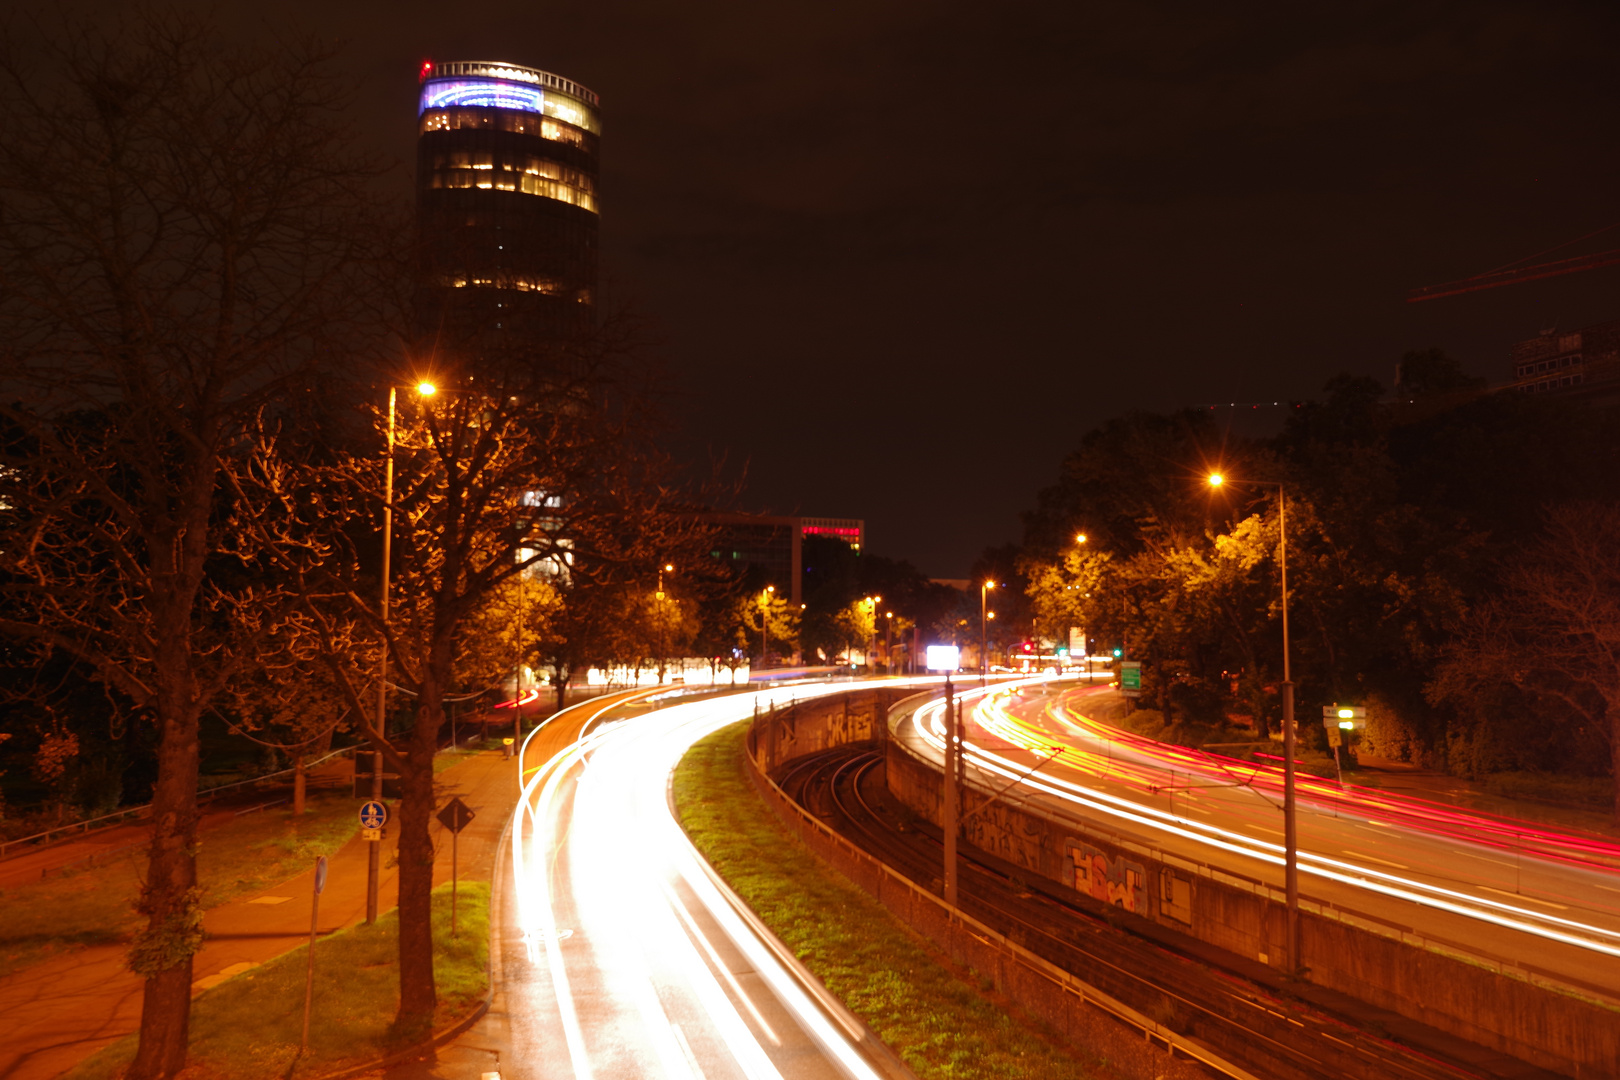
[506, 205]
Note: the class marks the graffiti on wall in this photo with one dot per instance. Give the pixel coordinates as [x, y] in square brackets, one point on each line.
[1119, 882]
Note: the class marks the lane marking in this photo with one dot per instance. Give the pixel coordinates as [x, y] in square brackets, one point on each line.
[1481, 858]
[686, 1048]
[719, 965]
[1522, 896]
[1376, 859]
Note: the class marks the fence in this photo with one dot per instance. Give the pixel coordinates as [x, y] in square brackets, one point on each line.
[43, 839]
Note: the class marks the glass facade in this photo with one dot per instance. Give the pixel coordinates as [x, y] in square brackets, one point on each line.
[504, 120]
[506, 205]
[514, 172]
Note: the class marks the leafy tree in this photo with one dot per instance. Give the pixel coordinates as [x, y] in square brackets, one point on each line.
[1553, 634]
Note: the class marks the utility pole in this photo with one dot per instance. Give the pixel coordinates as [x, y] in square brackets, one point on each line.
[1290, 817]
[948, 779]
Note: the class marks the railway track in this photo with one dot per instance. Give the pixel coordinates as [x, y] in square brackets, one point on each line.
[1266, 1031]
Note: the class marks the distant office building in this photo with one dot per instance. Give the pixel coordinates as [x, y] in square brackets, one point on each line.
[506, 195]
[1581, 363]
[774, 546]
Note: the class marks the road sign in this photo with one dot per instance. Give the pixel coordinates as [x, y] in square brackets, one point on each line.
[456, 815]
[373, 815]
[1344, 717]
[1130, 678]
[320, 875]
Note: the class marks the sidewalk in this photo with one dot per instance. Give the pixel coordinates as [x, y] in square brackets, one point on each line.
[60, 1012]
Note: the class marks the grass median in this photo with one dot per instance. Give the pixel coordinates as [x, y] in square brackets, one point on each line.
[95, 905]
[936, 1017]
[248, 1028]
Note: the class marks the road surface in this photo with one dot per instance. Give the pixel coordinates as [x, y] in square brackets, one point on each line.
[1519, 893]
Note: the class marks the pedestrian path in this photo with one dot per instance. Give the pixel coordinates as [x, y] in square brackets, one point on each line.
[59, 1012]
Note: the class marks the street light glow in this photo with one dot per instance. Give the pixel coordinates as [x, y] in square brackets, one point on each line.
[1216, 479]
[426, 389]
[1079, 538]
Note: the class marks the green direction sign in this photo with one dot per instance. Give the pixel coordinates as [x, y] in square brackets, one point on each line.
[1130, 677]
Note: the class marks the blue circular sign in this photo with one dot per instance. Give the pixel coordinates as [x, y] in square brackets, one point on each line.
[373, 815]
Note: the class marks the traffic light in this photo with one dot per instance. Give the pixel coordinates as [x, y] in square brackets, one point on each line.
[1118, 652]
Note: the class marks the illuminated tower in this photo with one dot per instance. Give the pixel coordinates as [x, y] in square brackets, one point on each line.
[506, 206]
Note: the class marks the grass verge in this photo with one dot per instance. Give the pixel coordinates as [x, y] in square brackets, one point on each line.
[1586, 792]
[248, 1028]
[96, 905]
[930, 1014]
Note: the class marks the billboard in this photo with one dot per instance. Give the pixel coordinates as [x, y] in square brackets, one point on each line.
[944, 658]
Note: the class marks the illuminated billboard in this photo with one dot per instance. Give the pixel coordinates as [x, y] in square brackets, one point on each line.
[944, 658]
[482, 93]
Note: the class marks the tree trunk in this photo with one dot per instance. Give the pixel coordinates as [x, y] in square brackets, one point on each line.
[417, 993]
[163, 949]
[298, 786]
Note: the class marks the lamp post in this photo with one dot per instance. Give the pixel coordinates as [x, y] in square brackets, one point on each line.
[374, 847]
[659, 613]
[888, 643]
[765, 624]
[1290, 817]
[871, 603]
[984, 634]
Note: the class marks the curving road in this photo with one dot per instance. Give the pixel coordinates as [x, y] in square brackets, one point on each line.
[636, 962]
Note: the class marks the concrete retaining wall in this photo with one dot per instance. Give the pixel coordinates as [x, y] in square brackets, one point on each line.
[1487, 1003]
[1136, 1045]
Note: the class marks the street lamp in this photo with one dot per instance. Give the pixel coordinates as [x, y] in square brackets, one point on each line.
[1290, 822]
[765, 624]
[374, 848]
[659, 614]
[888, 643]
[984, 634]
[871, 603]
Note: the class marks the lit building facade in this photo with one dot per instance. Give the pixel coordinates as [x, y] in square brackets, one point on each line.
[1583, 363]
[774, 546]
[506, 184]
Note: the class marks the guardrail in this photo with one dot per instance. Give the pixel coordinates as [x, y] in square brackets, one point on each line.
[42, 839]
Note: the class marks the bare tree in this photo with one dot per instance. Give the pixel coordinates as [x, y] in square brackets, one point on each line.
[179, 246]
[1554, 632]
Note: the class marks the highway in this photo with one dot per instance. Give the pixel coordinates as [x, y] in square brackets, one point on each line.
[635, 963]
[1520, 893]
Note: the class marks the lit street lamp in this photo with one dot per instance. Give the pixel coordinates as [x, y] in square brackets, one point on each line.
[1290, 824]
[871, 603]
[984, 634]
[374, 847]
[888, 643]
[659, 613]
[765, 624]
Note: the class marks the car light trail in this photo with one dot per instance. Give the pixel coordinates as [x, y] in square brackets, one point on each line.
[992, 716]
[600, 846]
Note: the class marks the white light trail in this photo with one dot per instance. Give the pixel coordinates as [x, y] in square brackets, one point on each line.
[655, 967]
[928, 721]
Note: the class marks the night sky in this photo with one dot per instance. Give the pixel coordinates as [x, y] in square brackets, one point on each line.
[901, 256]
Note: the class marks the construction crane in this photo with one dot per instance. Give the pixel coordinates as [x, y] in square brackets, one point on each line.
[1512, 274]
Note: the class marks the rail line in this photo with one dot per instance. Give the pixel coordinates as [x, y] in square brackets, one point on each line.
[1234, 1015]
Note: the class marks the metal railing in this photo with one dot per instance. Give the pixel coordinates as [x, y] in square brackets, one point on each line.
[43, 839]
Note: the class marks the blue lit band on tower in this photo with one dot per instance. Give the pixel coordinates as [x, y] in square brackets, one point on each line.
[506, 176]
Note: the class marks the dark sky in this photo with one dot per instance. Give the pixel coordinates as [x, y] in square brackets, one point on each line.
[902, 255]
